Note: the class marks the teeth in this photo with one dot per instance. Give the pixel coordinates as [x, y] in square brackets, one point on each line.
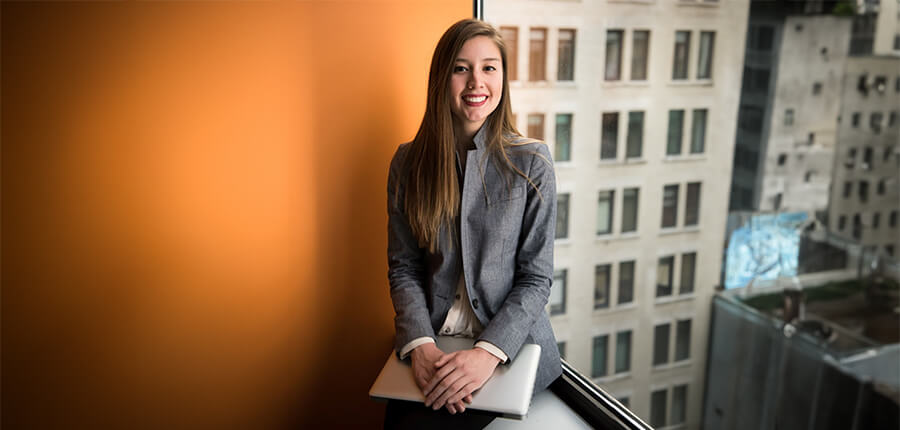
[475, 99]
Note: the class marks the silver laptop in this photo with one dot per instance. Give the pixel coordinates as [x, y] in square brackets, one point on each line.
[507, 393]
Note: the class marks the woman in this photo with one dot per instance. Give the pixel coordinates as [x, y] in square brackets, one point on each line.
[472, 210]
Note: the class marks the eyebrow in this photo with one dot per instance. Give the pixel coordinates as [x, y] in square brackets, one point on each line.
[485, 59]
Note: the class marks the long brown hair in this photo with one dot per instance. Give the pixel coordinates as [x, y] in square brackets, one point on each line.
[432, 192]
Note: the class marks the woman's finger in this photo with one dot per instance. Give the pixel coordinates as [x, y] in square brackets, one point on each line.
[442, 389]
[444, 359]
[437, 377]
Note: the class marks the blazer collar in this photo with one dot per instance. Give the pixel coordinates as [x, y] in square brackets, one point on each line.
[481, 135]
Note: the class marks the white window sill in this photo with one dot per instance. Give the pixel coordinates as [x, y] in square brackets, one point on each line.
[635, 160]
[626, 83]
[669, 366]
[568, 164]
[615, 309]
[613, 378]
[684, 158]
[611, 237]
[661, 300]
[690, 83]
[563, 241]
[697, 3]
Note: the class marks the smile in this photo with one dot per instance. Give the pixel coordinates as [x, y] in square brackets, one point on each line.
[476, 100]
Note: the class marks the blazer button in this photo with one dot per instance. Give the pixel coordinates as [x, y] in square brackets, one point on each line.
[475, 303]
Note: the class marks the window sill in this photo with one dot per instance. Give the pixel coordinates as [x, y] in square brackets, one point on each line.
[697, 3]
[613, 378]
[632, 1]
[684, 158]
[610, 237]
[544, 84]
[665, 231]
[568, 164]
[615, 309]
[671, 366]
[690, 83]
[635, 160]
[564, 241]
[662, 300]
[622, 83]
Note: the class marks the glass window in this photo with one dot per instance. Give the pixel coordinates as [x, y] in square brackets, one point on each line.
[598, 361]
[605, 212]
[848, 189]
[664, 276]
[635, 138]
[876, 220]
[892, 219]
[875, 121]
[536, 126]
[673, 139]
[892, 119]
[670, 205]
[511, 38]
[683, 340]
[558, 293]
[698, 131]
[623, 351]
[854, 119]
[842, 222]
[661, 344]
[613, 55]
[788, 117]
[566, 67]
[692, 208]
[601, 286]
[658, 409]
[561, 346]
[537, 66]
[857, 227]
[679, 405]
[817, 88]
[688, 263]
[640, 49]
[863, 191]
[705, 62]
[562, 216]
[867, 157]
[609, 140]
[682, 48]
[626, 282]
[881, 187]
[563, 149]
[630, 210]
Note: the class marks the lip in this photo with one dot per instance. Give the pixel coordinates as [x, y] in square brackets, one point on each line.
[473, 104]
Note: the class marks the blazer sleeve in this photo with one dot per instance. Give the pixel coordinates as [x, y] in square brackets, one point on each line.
[406, 267]
[530, 292]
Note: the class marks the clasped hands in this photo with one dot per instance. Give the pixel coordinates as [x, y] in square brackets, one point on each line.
[449, 379]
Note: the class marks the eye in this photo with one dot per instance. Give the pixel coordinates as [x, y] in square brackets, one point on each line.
[458, 69]
[490, 68]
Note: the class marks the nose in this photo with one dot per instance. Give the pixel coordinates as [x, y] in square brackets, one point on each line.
[476, 80]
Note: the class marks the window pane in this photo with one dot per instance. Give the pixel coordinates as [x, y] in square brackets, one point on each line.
[698, 131]
[613, 55]
[536, 126]
[563, 150]
[605, 212]
[558, 293]
[658, 408]
[682, 48]
[670, 205]
[692, 209]
[664, 276]
[661, 344]
[639, 52]
[562, 216]
[688, 262]
[626, 282]
[537, 55]
[676, 123]
[608, 141]
[601, 286]
[788, 117]
[598, 362]
[679, 404]
[566, 66]
[623, 351]
[704, 65]
[511, 39]
[562, 349]
[683, 340]
[630, 210]
[635, 139]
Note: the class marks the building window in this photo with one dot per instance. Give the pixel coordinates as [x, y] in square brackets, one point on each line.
[688, 263]
[760, 38]
[808, 176]
[664, 276]
[875, 121]
[854, 119]
[698, 131]
[848, 189]
[626, 282]
[613, 55]
[605, 212]
[679, 405]
[537, 55]
[561, 346]
[897, 42]
[640, 52]
[536, 126]
[610, 137]
[673, 138]
[892, 119]
[867, 157]
[692, 209]
[563, 149]
[817, 88]
[562, 216]
[788, 117]
[876, 220]
[842, 222]
[857, 227]
[892, 219]
[680, 61]
[558, 292]
[683, 340]
[635, 139]
[601, 286]
[889, 249]
[623, 351]
[661, 344]
[863, 191]
[566, 67]
[782, 158]
[851, 158]
[705, 62]
[887, 153]
[658, 409]
[670, 206]
[598, 363]
[630, 209]
[881, 188]
[511, 38]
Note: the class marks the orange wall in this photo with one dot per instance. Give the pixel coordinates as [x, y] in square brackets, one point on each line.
[193, 195]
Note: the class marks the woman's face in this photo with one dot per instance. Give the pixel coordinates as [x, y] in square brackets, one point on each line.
[476, 84]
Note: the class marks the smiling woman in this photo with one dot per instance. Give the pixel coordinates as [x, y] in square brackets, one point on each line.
[470, 244]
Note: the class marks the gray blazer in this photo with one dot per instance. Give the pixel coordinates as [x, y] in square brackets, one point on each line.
[506, 232]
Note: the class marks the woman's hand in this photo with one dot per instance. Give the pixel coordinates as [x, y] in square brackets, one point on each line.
[458, 375]
[424, 358]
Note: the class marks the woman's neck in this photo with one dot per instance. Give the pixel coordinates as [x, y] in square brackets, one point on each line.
[465, 136]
